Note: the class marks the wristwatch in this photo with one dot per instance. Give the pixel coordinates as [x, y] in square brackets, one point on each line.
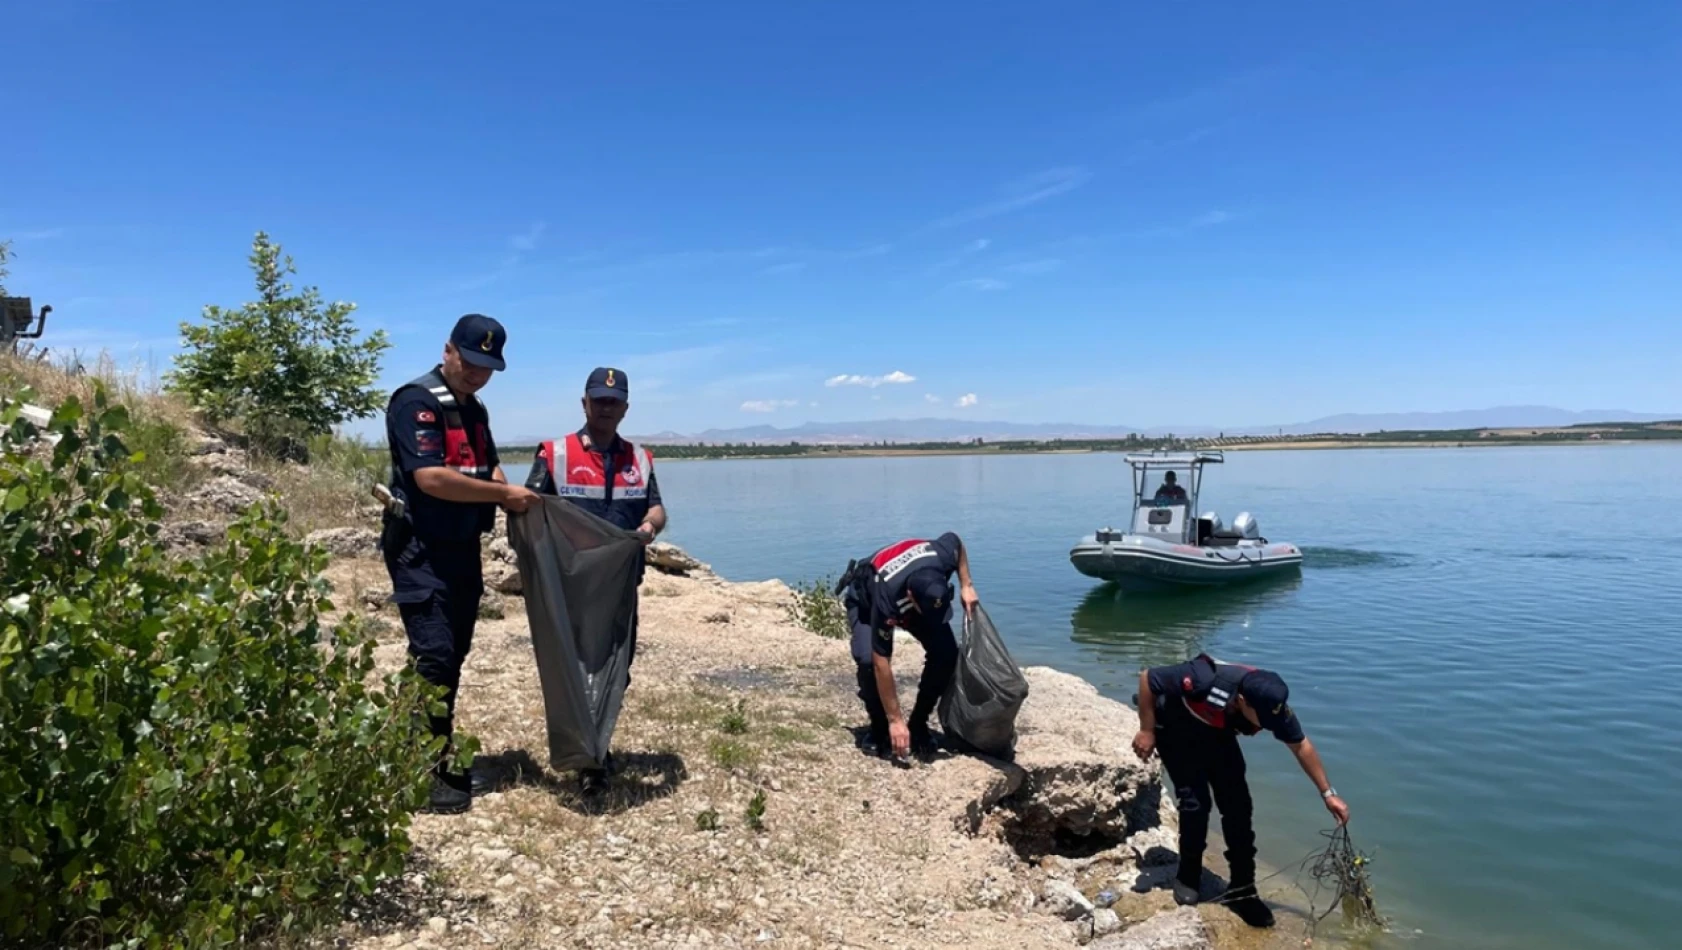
[1329, 792]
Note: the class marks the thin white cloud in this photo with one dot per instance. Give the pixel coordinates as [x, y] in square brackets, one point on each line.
[966, 400]
[874, 250]
[528, 241]
[932, 399]
[895, 378]
[46, 234]
[1021, 194]
[974, 247]
[981, 283]
[768, 405]
[1208, 219]
[792, 267]
[519, 245]
[1045, 266]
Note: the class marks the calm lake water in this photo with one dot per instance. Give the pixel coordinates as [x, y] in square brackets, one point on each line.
[1486, 645]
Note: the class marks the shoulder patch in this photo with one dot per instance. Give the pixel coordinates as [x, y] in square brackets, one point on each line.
[426, 415]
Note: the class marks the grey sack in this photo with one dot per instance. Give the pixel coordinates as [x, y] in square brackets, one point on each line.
[580, 576]
[987, 690]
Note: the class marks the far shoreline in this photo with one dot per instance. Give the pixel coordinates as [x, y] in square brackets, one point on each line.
[972, 451]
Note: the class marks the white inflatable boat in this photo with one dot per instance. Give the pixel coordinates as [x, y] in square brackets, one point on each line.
[1167, 547]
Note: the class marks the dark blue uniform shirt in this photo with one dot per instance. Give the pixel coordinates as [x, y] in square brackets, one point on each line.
[885, 609]
[1168, 686]
[414, 428]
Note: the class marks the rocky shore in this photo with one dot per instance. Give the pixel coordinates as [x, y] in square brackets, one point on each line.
[744, 816]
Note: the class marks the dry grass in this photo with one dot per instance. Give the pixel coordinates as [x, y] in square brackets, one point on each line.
[330, 492]
[56, 379]
[321, 496]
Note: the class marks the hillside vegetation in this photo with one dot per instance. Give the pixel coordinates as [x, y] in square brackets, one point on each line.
[195, 754]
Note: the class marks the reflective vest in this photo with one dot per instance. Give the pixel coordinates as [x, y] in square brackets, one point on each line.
[895, 564]
[1211, 695]
[464, 452]
[582, 475]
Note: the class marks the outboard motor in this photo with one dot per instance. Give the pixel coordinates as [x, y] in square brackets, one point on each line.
[1209, 524]
[1245, 526]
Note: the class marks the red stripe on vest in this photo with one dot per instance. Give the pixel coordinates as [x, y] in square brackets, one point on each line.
[889, 553]
[1201, 707]
[584, 466]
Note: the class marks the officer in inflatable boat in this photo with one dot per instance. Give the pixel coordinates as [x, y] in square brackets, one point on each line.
[1192, 714]
[446, 484]
[905, 586]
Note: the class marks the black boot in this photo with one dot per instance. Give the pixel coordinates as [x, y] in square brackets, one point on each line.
[1248, 905]
[483, 781]
[923, 744]
[451, 794]
[1188, 886]
[594, 782]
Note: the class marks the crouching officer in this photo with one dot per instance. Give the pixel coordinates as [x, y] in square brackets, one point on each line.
[905, 586]
[606, 475]
[1193, 713]
[446, 473]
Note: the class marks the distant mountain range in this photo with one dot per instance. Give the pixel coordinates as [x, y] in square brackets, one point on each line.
[956, 430]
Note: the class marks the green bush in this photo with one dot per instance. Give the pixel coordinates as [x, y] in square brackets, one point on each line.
[286, 366]
[188, 755]
[816, 608]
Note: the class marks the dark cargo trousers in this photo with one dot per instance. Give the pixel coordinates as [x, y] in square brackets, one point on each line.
[940, 660]
[437, 587]
[1207, 768]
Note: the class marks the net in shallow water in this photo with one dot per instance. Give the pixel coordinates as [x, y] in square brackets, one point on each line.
[1343, 870]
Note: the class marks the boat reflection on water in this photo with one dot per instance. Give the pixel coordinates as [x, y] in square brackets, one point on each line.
[1151, 629]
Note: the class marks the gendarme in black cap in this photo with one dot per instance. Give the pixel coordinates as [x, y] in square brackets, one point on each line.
[931, 592]
[479, 340]
[608, 383]
[1267, 694]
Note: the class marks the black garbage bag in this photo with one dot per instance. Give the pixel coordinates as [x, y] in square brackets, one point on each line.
[980, 705]
[580, 575]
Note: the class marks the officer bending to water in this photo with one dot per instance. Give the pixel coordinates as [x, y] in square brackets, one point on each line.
[1192, 713]
[444, 468]
[905, 586]
[608, 476]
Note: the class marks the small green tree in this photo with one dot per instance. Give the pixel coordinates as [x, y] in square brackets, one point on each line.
[285, 366]
[5, 255]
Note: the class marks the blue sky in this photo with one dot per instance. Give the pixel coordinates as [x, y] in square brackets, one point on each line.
[1150, 214]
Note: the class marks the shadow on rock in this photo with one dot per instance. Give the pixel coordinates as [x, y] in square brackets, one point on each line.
[638, 778]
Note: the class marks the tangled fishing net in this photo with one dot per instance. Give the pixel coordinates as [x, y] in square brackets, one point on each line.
[1342, 870]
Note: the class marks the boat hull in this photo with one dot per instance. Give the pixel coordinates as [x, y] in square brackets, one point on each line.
[1144, 563]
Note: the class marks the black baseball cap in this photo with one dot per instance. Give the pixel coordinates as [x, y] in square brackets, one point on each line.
[607, 383]
[1267, 694]
[929, 591]
[479, 340]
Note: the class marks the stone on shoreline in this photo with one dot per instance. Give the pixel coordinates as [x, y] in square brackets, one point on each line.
[346, 542]
[1081, 777]
[1181, 929]
[671, 559]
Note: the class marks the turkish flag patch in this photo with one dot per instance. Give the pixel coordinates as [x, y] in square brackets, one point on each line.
[425, 415]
